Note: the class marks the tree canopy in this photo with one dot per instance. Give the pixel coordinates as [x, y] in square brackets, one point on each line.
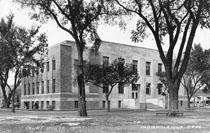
[21, 50]
[197, 72]
[107, 76]
[175, 20]
[79, 18]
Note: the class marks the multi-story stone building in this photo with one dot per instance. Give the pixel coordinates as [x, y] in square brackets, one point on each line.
[55, 85]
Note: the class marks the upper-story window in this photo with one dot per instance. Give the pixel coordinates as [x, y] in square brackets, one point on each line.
[105, 60]
[24, 89]
[33, 88]
[135, 87]
[53, 86]
[37, 88]
[148, 88]
[42, 87]
[48, 86]
[148, 64]
[29, 88]
[48, 66]
[53, 64]
[159, 67]
[135, 65]
[121, 88]
[159, 87]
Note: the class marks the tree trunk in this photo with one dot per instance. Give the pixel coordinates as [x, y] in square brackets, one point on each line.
[6, 103]
[188, 102]
[108, 103]
[13, 102]
[6, 98]
[82, 111]
[173, 95]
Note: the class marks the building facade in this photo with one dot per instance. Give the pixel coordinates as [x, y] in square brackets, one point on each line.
[55, 86]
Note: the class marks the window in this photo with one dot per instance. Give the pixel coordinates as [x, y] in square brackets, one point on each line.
[47, 104]
[119, 104]
[42, 104]
[105, 88]
[33, 89]
[53, 64]
[148, 88]
[181, 103]
[37, 88]
[53, 105]
[121, 88]
[135, 65]
[103, 104]
[159, 87]
[48, 86]
[42, 87]
[37, 72]
[121, 65]
[133, 95]
[135, 87]
[53, 86]
[148, 68]
[24, 89]
[136, 95]
[105, 60]
[76, 104]
[29, 88]
[48, 66]
[159, 67]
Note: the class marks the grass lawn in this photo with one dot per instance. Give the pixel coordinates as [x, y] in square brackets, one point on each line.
[103, 122]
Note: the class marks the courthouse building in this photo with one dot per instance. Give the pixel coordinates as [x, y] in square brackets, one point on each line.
[55, 85]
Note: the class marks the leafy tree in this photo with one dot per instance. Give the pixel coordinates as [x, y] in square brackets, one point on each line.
[79, 19]
[19, 51]
[206, 76]
[177, 20]
[196, 72]
[108, 76]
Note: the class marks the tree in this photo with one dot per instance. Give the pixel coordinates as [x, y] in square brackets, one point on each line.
[19, 51]
[108, 76]
[206, 76]
[196, 72]
[175, 20]
[79, 19]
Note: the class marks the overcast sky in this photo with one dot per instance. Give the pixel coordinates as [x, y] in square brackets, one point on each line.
[107, 33]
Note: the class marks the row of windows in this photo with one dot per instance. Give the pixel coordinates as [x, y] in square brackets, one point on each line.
[148, 88]
[39, 105]
[135, 88]
[37, 87]
[47, 67]
[135, 65]
[134, 62]
[53, 65]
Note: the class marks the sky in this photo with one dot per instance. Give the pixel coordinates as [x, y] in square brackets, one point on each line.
[106, 32]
